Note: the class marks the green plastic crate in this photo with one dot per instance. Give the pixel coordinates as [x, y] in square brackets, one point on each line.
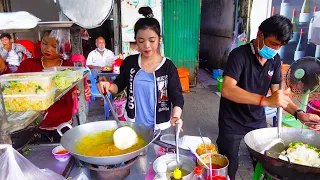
[290, 121]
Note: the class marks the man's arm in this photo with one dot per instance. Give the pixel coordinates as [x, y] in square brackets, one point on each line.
[292, 108]
[231, 91]
[90, 62]
[26, 52]
[3, 53]
[93, 67]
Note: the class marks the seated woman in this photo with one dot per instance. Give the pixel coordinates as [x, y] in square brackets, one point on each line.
[61, 111]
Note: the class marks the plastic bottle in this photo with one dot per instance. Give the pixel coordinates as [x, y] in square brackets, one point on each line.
[294, 26]
[177, 174]
[305, 12]
[311, 23]
[299, 53]
[285, 8]
[197, 173]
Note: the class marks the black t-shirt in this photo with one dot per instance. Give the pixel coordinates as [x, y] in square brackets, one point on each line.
[245, 68]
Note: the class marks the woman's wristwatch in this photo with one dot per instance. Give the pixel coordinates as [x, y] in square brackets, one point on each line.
[296, 113]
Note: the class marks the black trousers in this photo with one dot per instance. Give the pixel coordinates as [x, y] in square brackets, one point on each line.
[228, 145]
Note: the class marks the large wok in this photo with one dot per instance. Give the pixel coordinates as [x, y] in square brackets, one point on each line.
[74, 135]
[258, 139]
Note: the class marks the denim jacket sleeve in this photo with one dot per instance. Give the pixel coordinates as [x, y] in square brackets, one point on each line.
[3, 53]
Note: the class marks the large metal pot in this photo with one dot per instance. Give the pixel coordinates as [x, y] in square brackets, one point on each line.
[74, 135]
[259, 139]
[217, 159]
[187, 164]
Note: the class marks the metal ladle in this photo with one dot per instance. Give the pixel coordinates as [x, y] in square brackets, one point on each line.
[123, 127]
[176, 164]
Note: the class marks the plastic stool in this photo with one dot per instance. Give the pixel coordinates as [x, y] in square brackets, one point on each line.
[259, 173]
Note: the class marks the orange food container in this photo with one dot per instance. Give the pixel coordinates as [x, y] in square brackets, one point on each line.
[206, 148]
[184, 78]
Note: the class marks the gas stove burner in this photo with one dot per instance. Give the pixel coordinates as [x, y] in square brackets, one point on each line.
[111, 172]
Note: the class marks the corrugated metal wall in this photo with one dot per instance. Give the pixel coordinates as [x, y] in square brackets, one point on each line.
[181, 34]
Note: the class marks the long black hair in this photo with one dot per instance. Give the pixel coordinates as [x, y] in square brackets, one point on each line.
[147, 23]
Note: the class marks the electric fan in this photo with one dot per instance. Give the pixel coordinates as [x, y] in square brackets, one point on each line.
[303, 78]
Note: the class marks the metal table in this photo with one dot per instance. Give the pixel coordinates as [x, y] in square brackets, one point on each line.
[41, 156]
[109, 74]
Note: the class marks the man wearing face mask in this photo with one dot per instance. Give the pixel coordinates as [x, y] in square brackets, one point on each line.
[100, 57]
[252, 70]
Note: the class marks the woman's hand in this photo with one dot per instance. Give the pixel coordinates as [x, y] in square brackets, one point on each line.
[87, 92]
[175, 120]
[103, 87]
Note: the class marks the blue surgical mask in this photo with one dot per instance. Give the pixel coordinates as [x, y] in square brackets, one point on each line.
[101, 50]
[266, 52]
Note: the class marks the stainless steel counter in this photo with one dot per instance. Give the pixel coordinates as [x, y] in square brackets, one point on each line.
[138, 171]
[41, 156]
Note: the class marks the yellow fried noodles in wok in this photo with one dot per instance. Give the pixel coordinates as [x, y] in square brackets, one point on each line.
[101, 144]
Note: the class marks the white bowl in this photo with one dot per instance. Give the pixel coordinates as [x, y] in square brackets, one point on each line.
[61, 157]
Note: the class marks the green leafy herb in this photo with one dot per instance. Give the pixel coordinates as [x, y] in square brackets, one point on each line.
[38, 88]
[26, 152]
[4, 87]
[66, 70]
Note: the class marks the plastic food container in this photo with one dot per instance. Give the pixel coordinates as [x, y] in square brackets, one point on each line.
[61, 154]
[219, 165]
[27, 83]
[66, 75]
[206, 148]
[29, 102]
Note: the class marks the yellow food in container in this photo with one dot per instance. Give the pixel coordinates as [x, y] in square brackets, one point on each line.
[206, 148]
[30, 102]
[27, 83]
[66, 75]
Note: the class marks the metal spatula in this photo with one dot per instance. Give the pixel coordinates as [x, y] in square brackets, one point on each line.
[277, 145]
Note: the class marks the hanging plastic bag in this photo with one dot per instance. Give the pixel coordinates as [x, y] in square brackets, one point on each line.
[63, 42]
[120, 104]
[14, 166]
[239, 35]
[81, 176]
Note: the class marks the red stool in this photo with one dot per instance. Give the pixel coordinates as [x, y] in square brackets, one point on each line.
[29, 45]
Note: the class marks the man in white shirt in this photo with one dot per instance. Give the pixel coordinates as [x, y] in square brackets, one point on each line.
[12, 53]
[100, 57]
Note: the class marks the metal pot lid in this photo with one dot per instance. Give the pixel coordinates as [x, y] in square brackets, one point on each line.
[86, 13]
